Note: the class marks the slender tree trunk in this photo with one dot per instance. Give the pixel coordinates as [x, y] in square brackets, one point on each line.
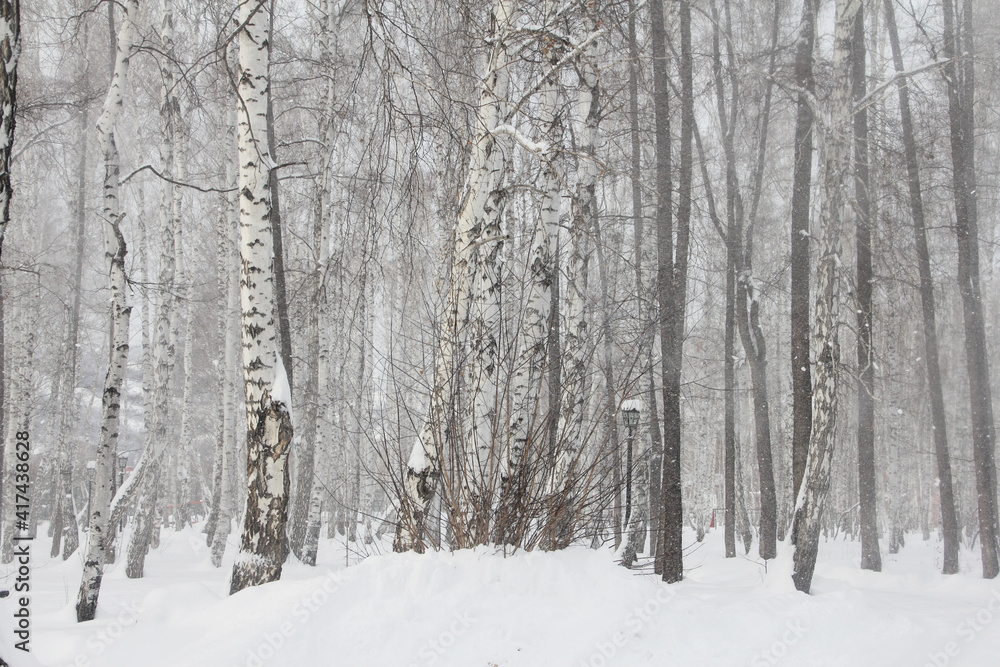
[63, 517]
[646, 476]
[673, 305]
[314, 461]
[871, 559]
[323, 453]
[611, 397]
[816, 481]
[184, 473]
[306, 458]
[280, 297]
[664, 264]
[575, 330]
[228, 498]
[483, 330]
[227, 303]
[148, 468]
[526, 428]
[93, 566]
[729, 418]
[961, 96]
[801, 185]
[949, 520]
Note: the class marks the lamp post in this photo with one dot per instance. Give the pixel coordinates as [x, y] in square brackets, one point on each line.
[630, 414]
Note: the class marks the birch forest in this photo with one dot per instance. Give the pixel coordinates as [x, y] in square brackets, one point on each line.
[375, 277]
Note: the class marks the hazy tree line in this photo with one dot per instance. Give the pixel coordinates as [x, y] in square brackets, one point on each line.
[513, 273]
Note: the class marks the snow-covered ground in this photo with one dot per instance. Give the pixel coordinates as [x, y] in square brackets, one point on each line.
[478, 608]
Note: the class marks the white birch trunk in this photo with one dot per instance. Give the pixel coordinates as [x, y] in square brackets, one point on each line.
[269, 427]
[836, 161]
[473, 296]
[323, 432]
[145, 477]
[185, 454]
[575, 335]
[93, 566]
[482, 210]
[323, 453]
[525, 427]
[229, 324]
[307, 518]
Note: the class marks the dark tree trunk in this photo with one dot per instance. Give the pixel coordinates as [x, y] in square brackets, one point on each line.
[651, 461]
[949, 520]
[280, 297]
[674, 292]
[664, 265]
[961, 95]
[871, 559]
[729, 428]
[801, 184]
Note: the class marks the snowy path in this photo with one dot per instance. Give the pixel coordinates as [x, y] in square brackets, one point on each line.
[478, 609]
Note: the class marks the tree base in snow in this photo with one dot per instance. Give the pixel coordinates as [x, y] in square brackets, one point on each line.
[262, 547]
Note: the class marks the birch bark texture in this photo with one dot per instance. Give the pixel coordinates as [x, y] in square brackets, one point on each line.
[575, 327]
[93, 565]
[269, 424]
[526, 430]
[836, 150]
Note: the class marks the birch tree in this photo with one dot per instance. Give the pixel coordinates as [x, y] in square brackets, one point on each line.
[525, 425]
[93, 566]
[268, 398]
[147, 473]
[575, 329]
[833, 212]
[65, 530]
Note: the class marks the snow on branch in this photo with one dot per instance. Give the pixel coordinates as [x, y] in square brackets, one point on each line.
[864, 101]
[519, 137]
